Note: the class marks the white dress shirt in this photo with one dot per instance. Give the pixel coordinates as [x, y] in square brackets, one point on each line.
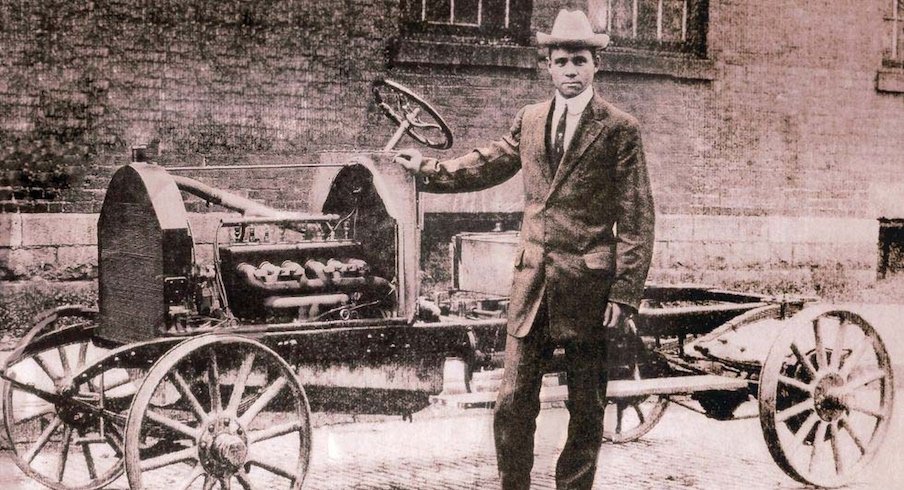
[575, 106]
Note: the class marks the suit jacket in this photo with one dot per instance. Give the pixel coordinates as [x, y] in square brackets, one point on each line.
[587, 231]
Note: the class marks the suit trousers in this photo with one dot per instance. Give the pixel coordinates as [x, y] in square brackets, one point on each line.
[518, 405]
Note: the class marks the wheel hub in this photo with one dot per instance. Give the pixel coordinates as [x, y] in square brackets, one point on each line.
[828, 397]
[74, 414]
[222, 446]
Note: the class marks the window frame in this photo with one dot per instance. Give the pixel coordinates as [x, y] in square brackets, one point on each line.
[894, 56]
[421, 44]
[517, 33]
[890, 77]
[695, 28]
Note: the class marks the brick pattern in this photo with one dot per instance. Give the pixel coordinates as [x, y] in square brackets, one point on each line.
[755, 243]
[792, 124]
[796, 124]
[231, 79]
[57, 247]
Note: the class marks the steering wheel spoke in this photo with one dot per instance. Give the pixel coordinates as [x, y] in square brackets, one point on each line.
[390, 112]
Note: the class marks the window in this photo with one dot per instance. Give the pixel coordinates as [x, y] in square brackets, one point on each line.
[891, 74]
[498, 33]
[654, 25]
[894, 20]
[484, 21]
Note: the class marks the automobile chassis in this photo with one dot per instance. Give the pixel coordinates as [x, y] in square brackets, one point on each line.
[193, 374]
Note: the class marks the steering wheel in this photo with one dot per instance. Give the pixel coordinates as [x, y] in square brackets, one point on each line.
[405, 108]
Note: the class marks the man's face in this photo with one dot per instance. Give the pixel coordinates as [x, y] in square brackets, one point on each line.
[571, 69]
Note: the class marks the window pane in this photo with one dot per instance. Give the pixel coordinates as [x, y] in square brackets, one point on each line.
[502, 21]
[598, 11]
[492, 13]
[437, 10]
[900, 53]
[672, 15]
[647, 10]
[466, 11]
[893, 35]
[623, 18]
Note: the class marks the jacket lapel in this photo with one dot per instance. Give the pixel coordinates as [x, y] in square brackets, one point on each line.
[587, 132]
[538, 137]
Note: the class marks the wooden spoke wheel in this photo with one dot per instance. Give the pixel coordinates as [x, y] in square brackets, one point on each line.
[627, 419]
[57, 433]
[826, 396]
[241, 419]
[630, 418]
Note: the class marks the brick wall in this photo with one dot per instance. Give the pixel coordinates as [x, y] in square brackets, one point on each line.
[81, 82]
[788, 132]
[782, 162]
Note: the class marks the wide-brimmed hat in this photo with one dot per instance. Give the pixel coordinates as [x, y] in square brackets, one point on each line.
[572, 30]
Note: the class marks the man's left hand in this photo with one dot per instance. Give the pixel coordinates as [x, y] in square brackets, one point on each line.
[616, 316]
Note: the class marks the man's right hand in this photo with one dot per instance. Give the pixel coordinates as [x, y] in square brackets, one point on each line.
[409, 158]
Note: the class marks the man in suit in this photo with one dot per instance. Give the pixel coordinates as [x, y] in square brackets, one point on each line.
[585, 247]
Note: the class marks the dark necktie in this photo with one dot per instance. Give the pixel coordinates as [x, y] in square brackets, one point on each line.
[558, 148]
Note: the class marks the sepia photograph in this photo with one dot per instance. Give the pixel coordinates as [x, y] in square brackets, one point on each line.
[451, 244]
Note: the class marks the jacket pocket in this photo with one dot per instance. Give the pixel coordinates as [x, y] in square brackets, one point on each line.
[601, 260]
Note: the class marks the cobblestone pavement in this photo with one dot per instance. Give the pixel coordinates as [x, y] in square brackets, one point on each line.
[453, 449]
[446, 448]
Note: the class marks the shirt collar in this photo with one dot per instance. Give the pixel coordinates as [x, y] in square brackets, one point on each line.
[576, 104]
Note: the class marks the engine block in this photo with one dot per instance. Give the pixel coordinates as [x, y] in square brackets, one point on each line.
[346, 262]
[311, 275]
